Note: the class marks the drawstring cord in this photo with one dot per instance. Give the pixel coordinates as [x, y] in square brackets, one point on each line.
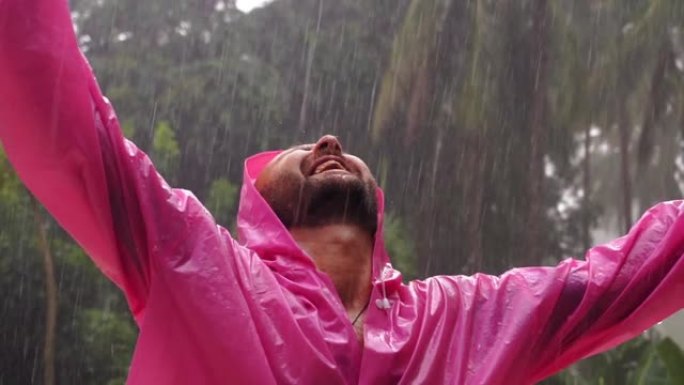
[383, 303]
[361, 312]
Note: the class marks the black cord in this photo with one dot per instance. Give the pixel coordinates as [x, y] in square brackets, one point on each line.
[361, 312]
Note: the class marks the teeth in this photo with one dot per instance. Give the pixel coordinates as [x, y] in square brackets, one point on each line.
[329, 165]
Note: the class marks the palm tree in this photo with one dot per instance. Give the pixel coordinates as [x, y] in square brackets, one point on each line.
[466, 80]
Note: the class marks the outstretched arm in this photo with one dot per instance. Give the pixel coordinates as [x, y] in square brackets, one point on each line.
[623, 288]
[63, 138]
[532, 322]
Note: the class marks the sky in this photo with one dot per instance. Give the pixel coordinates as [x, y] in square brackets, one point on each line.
[248, 5]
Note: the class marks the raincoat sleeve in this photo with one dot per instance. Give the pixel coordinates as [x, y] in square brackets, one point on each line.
[63, 139]
[550, 317]
[621, 289]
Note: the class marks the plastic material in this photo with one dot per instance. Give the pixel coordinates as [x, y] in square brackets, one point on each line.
[212, 310]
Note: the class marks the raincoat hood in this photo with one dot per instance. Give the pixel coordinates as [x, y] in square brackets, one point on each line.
[261, 230]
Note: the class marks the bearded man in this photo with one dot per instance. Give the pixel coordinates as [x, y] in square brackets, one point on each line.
[306, 294]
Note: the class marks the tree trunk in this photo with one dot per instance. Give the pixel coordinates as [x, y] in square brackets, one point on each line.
[475, 197]
[535, 182]
[656, 103]
[624, 168]
[586, 187]
[50, 299]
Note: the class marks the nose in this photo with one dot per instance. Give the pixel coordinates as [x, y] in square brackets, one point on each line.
[327, 145]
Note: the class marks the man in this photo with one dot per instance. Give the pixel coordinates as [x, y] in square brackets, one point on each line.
[306, 295]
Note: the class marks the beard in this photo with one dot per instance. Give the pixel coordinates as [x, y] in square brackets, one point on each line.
[314, 202]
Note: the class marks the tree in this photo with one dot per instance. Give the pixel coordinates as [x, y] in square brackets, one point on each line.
[49, 351]
[645, 360]
[222, 201]
[51, 300]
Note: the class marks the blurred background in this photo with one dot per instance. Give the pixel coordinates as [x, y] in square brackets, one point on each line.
[505, 133]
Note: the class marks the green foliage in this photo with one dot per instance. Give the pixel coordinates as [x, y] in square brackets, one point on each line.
[12, 201]
[10, 186]
[672, 357]
[642, 361]
[165, 148]
[412, 51]
[109, 339]
[222, 201]
[400, 246]
[128, 128]
[102, 340]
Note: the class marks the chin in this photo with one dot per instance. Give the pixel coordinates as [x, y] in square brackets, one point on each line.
[338, 198]
[332, 197]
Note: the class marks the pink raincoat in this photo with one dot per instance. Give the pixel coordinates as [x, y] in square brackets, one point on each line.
[213, 310]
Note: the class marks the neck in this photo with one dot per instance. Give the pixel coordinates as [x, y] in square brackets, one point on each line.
[344, 253]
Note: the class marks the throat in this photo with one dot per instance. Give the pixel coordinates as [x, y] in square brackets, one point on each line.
[344, 253]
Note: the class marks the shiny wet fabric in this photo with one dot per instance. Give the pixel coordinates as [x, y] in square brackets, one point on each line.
[215, 310]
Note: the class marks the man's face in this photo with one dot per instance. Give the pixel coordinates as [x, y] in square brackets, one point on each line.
[318, 184]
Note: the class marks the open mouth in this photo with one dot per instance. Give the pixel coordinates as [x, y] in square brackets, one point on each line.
[327, 164]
